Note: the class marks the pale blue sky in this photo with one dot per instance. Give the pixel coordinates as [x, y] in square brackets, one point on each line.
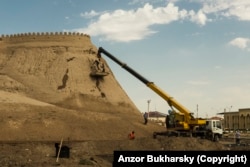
[198, 51]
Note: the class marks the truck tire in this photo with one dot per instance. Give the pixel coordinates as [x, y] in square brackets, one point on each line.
[216, 138]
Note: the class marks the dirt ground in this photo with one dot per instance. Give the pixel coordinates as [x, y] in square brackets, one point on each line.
[100, 153]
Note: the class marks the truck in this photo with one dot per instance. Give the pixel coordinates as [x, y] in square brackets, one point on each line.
[179, 120]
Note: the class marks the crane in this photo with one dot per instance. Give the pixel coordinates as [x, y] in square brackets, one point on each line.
[180, 118]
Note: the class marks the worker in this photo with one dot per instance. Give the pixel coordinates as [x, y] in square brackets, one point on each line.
[237, 137]
[131, 135]
[145, 118]
[167, 121]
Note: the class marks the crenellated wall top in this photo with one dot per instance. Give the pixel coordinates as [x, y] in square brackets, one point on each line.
[43, 36]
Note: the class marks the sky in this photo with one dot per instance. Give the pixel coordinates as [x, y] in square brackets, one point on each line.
[197, 51]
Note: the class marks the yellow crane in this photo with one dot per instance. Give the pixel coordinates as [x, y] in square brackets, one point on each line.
[180, 119]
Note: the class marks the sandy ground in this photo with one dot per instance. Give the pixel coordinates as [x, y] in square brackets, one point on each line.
[97, 153]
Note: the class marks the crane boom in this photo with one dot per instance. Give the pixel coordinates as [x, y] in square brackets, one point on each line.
[186, 121]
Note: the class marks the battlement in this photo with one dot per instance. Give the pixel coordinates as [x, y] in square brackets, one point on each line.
[68, 38]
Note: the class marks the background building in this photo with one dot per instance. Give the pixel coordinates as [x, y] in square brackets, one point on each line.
[157, 117]
[237, 119]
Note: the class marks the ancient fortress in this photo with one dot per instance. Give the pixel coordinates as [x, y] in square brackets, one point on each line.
[56, 67]
[48, 91]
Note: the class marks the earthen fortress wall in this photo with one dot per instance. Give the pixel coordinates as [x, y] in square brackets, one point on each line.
[49, 38]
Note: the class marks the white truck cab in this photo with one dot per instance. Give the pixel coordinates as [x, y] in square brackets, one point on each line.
[214, 128]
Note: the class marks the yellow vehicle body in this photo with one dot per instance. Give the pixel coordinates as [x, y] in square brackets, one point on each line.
[183, 118]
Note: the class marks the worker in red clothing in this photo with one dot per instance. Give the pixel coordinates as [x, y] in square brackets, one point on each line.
[131, 136]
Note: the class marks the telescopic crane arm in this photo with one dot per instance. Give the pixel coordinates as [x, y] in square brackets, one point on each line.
[172, 103]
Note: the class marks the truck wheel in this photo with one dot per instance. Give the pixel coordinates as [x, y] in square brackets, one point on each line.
[216, 138]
